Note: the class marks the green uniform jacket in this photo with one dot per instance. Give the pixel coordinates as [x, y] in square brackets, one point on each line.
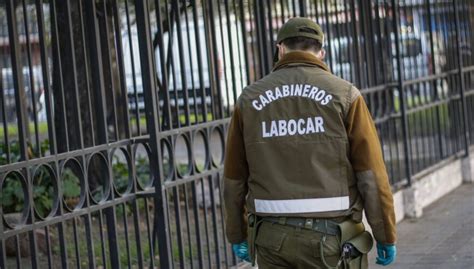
[302, 142]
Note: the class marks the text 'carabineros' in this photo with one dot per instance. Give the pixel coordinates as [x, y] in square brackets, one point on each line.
[300, 90]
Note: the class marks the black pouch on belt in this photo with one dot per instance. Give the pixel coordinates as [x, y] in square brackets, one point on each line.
[253, 223]
[356, 243]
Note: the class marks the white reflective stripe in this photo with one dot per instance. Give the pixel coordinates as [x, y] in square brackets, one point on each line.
[302, 205]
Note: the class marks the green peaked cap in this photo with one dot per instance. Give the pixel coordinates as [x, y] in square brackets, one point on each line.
[299, 26]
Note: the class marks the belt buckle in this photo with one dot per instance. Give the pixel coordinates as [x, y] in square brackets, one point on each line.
[308, 224]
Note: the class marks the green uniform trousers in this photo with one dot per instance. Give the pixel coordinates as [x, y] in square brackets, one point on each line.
[280, 246]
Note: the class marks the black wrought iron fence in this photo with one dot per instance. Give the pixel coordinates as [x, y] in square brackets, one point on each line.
[114, 114]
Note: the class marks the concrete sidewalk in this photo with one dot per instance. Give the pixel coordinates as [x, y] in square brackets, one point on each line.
[442, 238]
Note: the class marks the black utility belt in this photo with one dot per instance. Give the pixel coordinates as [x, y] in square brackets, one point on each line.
[319, 225]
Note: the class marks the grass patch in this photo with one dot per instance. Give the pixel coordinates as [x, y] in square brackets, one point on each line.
[142, 121]
[424, 120]
[193, 119]
[12, 129]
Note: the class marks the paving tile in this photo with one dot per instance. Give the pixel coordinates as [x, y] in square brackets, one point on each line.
[442, 238]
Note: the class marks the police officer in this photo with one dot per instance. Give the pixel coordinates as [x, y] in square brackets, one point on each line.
[302, 162]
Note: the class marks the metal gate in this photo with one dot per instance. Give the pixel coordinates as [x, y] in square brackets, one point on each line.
[114, 114]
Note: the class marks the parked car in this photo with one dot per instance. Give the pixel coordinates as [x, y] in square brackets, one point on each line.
[191, 69]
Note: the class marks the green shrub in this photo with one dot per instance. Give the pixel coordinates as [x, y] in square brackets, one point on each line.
[12, 195]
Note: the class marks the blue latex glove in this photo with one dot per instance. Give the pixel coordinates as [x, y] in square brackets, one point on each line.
[386, 254]
[241, 250]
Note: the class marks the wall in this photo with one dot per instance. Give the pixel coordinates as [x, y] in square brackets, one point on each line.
[429, 186]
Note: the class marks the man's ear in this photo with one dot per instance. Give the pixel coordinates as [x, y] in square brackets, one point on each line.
[281, 51]
[321, 54]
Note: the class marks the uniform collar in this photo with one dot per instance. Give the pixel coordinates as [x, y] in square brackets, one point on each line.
[299, 58]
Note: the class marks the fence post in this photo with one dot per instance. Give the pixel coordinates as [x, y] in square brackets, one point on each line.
[20, 100]
[161, 229]
[401, 87]
[302, 6]
[265, 64]
[210, 30]
[433, 84]
[355, 72]
[461, 77]
[3, 256]
[20, 96]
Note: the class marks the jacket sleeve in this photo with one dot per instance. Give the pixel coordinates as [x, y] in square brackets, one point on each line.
[369, 167]
[236, 173]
